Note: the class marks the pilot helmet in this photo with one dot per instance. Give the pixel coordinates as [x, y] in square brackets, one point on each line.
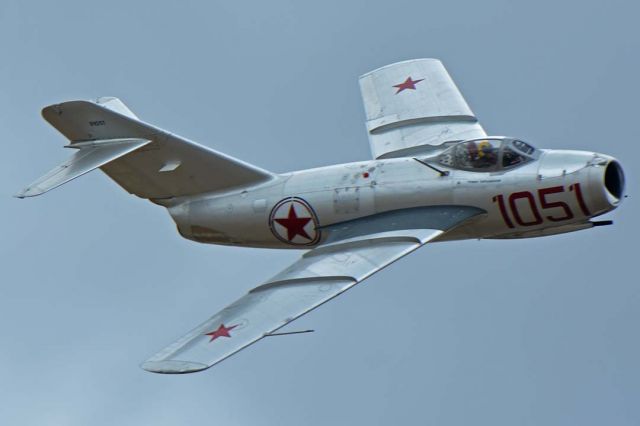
[484, 148]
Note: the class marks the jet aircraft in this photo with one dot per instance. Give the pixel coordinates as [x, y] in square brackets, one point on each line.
[434, 175]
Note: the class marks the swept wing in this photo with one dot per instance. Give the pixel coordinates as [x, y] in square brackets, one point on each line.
[412, 106]
[353, 251]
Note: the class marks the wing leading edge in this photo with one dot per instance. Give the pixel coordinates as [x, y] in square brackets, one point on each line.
[354, 251]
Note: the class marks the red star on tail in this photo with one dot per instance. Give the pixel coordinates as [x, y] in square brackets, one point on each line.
[409, 83]
[222, 331]
[294, 224]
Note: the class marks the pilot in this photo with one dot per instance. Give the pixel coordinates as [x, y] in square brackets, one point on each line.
[487, 156]
[472, 149]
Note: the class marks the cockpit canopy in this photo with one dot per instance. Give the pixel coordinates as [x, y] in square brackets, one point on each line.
[488, 154]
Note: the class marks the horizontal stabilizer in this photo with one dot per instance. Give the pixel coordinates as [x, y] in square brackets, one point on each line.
[170, 166]
[90, 155]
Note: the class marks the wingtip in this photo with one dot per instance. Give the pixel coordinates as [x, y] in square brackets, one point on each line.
[395, 64]
[173, 367]
[28, 192]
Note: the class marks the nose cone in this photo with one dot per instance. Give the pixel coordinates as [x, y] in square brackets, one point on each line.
[606, 183]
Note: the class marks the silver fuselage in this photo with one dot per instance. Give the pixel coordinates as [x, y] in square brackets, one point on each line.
[559, 192]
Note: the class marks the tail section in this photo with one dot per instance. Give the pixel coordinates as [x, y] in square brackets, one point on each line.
[107, 118]
[145, 160]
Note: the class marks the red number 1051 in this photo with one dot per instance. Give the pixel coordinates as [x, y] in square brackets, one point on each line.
[562, 210]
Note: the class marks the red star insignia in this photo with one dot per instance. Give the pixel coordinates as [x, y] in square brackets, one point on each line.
[294, 224]
[409, 83]
[222, 331]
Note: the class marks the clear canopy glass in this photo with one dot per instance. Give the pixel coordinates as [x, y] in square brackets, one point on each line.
[489, 154]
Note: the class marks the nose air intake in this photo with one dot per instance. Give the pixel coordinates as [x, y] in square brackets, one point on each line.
[614, 179]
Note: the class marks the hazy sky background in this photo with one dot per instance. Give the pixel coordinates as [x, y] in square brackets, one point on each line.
[530, 332]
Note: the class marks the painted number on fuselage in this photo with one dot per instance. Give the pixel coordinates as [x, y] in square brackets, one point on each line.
[518, 200]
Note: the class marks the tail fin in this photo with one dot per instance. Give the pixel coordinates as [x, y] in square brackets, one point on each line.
[159, 165]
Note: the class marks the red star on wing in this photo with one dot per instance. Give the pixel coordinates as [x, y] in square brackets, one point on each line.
[222, 331]
[294, 224]
[409, 83]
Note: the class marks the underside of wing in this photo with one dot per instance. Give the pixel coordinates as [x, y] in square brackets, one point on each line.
[353, 251]
[413, 106]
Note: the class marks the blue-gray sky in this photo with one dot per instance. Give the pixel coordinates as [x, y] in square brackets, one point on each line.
[529, 332]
